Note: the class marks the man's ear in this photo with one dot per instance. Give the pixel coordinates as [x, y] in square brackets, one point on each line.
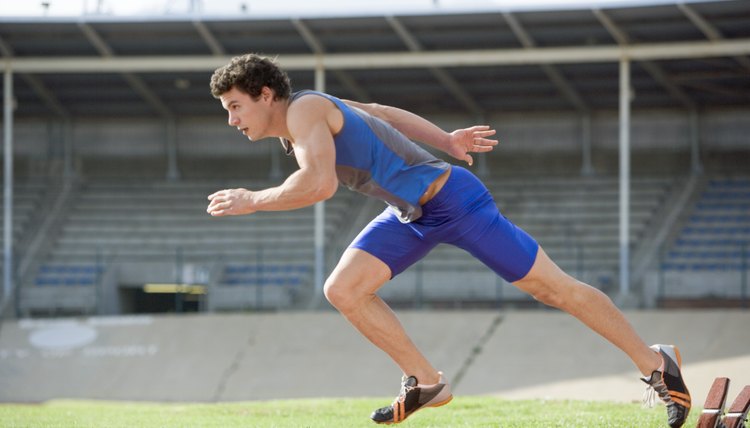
[266, 94]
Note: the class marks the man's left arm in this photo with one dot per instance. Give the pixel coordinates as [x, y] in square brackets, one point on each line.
[458, 143]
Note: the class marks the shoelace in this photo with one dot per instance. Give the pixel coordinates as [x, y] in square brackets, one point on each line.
[649, 397]
[404, 390]
[657, 389]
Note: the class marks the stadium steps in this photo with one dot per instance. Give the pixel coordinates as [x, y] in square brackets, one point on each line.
[112, 222]
[576, 220]
[31, 200]
[710, 256]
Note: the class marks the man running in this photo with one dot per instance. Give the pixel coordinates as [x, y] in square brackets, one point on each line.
[369, 148]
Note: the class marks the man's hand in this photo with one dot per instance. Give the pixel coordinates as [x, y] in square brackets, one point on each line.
[231, 202]
[473, 139]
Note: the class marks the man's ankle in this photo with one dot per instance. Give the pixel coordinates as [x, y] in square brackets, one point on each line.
[659, 367]
[427, 378]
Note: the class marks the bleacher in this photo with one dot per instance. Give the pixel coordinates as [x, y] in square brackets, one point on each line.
[709, 258]
[574, 218]
[67, 275]
[29, 198]
[123, 232]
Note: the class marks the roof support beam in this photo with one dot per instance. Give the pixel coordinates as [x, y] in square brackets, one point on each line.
[318, 49]
[449, 58]
[613, 30]
[135, 82]
[147, 94]
[93, 37]
[656, 72]
[352, 86]
[709, 30]
[208, 37]
[719, 90]
[563, 85]
[706, 28]
[37, 85]
[307, 35]
[441, 75]
[46, 95]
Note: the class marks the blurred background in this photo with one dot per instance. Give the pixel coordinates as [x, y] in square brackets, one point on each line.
[624, 150]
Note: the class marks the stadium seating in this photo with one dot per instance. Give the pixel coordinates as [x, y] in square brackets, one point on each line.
[114, 231]
[260, 261]
[30, 196]
[67, 275]
[710, 256]
[575, 219]
[28, 199]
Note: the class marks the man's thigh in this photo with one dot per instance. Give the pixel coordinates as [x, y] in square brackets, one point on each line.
[360, 269]
[397, 245]
[498, 243]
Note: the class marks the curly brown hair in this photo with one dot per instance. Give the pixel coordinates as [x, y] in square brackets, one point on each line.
[250, 73]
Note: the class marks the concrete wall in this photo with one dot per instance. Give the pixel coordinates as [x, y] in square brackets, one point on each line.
[206, 358]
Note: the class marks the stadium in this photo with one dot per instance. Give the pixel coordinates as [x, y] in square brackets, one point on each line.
[623, 149]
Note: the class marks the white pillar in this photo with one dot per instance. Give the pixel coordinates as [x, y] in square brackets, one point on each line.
[587, 167]
[320, 208]
[275, 172]
[173, 171]
[8, 186]
[696, 166]
[69, 171]
[624, 176]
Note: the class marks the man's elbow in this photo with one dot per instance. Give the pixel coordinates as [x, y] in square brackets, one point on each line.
[381, 111]
[326, 189]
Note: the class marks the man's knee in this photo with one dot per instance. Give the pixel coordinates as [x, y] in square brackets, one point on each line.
[341, 295]
[332, 292]
[550, 296]
[554, 293]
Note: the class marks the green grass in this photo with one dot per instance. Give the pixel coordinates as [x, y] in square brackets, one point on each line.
[331, 413]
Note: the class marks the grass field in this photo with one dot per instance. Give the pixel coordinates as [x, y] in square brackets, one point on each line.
[331, 413]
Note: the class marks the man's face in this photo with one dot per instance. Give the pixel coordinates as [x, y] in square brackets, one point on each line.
[250, 117]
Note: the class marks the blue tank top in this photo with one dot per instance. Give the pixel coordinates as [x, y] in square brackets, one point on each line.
[375, 159]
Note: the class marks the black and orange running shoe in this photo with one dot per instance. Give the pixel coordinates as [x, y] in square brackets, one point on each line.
[668, 384]
[413, 397]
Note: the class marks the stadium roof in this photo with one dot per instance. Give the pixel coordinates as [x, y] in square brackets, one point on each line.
[685, 55]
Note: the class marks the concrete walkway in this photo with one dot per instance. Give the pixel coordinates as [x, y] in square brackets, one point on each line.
[552, 355]
[206, 358]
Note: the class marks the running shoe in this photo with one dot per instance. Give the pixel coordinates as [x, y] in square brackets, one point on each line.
[669, 386]
[413, 397]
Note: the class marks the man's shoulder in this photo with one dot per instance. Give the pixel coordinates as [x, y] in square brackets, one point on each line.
[310, 102]
[309, 94]
[310, 99]
[304, 111]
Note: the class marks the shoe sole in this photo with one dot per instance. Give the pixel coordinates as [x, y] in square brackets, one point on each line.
[442, 403]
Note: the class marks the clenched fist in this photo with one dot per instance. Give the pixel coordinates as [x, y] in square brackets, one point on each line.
[231, 202]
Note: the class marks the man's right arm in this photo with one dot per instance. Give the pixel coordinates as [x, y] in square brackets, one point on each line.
[314, 181]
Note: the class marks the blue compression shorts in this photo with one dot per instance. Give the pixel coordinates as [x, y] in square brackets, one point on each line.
[463, 214]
